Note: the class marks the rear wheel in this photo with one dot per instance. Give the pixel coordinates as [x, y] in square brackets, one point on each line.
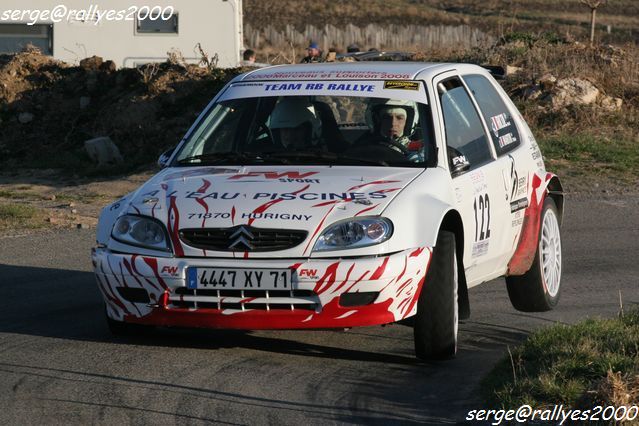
[538, 289]
[436, 321]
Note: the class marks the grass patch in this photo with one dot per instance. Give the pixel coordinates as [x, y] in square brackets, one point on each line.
[79, 197]
[17, 216]
[582, 154]
[16, 211]
[9, 194]
[593, 362]
[16, 195]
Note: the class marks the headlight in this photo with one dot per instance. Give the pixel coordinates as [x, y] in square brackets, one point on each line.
[354, 233]
[140, 231]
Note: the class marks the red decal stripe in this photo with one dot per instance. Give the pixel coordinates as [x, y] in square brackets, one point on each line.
[421, 283]
[403, 303]
[174, 224]
[328, 203]
[524, 255]
[110, 269]
[127, 265]
[111, 295]
[366, 209]
[380, 270]
[403, 286]
[348, 274]
[133, 259]
[205, 186]
[153, 264]
[126, 285]
[384, 191]
[201, 202]
[327, 279]
[377, 182]
[357, 281]
[417, 252]
[399, 277]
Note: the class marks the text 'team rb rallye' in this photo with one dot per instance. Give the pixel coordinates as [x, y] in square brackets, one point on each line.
[334, 196]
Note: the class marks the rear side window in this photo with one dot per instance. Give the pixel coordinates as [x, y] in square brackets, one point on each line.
[503, 129]
[465, 134]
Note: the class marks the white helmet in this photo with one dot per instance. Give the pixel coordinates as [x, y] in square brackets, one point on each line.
[291, 112]
[375, 105]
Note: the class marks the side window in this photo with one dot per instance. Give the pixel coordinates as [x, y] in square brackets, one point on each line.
[504, 132]
[465, 135]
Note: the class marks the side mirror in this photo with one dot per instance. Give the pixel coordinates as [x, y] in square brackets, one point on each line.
[459, 165]
[163, 161]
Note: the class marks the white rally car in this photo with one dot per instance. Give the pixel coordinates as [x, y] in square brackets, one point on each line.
[338, 195]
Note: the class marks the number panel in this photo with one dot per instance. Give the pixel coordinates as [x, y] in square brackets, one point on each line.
[239, 279]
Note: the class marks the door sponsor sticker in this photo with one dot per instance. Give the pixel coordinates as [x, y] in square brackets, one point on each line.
[405, 85]
[517, 205]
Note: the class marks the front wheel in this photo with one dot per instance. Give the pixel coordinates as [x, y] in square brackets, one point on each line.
[538, 289]
[436, 321]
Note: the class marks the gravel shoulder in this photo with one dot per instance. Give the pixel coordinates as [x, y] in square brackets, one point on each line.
[58, 201]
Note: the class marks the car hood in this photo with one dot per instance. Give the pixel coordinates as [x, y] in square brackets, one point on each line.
[275, 197]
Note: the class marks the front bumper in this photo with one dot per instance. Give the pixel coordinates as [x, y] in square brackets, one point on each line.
[154, 291]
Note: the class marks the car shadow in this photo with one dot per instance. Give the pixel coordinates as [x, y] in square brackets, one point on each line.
[66, 304]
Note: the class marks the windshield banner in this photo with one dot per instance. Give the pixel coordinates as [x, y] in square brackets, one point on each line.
[409, 90]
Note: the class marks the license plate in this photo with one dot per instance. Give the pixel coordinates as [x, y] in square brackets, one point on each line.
[240, 279]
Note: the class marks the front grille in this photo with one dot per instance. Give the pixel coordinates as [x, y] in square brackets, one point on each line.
[243, 300]
[242, 238]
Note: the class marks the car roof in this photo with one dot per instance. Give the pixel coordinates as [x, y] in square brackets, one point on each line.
[376, 55]
[391, 70]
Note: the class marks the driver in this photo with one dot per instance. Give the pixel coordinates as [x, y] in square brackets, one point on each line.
[393, 123]
[295, 123]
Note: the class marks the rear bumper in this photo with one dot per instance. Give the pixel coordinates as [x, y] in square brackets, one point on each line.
[327, 293]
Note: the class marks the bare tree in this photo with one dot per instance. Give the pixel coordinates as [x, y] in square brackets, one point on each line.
[593, 5]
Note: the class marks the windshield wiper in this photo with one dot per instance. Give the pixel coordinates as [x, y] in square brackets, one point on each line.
[230, 156]
[324, 155]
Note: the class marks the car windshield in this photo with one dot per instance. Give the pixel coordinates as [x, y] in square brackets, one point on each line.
[316, 130]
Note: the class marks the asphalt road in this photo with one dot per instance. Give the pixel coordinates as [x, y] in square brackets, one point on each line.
[60, 365]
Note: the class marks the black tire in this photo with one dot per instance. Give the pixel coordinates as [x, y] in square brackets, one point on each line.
[435, 329]
[531, 292]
